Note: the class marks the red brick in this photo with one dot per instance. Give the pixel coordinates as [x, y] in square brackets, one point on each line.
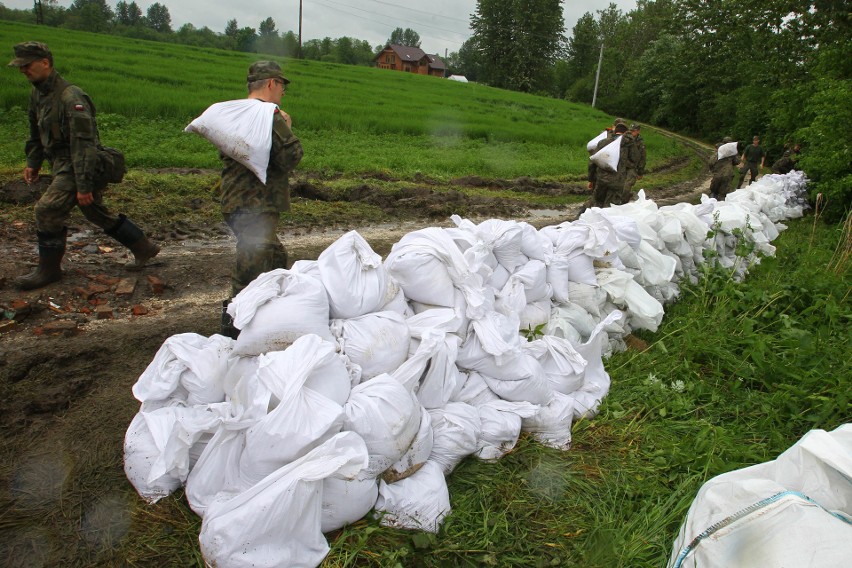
[125, 287]
[107, 280]
[104, 312]
[156, 283]
[139, 310]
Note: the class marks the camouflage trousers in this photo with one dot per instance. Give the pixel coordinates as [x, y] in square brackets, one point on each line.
[60, 198]
[258, 247]
[752, 167]
[719, 186]
[629, 181]
[608, 193]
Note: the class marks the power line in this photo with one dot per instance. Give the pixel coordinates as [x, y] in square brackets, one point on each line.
[417, 23]
[421, 11]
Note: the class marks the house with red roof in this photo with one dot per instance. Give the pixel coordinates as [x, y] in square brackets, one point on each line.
[410, 59]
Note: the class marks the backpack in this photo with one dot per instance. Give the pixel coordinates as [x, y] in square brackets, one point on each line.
[111, 165]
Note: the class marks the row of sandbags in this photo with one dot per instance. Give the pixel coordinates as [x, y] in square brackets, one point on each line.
[358, 383]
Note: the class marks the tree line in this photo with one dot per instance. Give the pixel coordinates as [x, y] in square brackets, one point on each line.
[780, 69]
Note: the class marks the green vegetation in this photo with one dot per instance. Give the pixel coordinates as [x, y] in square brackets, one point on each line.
[351, 120]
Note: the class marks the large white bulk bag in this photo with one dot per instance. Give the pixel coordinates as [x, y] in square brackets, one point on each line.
[608, 156]
[187, 367]
[387, 416]
[276, 309]
[354, 277]
[241, 129]
[791, 511]
[419, 502]
[378, 342]
[727, 150]
[278, 521]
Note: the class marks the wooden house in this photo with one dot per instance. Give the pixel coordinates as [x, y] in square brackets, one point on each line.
[410, 60]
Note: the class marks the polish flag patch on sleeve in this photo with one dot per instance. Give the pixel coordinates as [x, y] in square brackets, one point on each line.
[78, 107]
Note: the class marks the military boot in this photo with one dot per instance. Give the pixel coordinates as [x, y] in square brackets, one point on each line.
[227, 326]
[51, 249]
[132, 237]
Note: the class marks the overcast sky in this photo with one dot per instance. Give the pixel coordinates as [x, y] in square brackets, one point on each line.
[442, 24]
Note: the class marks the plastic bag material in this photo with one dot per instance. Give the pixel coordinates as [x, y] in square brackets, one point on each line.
[502, 238]
[241, 129]
[387, 416]
[795, 510]
[551, 425]
[608, 156]
[501, 427]
[535, 314]
[188, 367]
[278, 521]
[354, 277]
[593, 143]
[378, 342]
[456, 429]
[727, 150]
[345, 501]
[563, 366]
[276, 309]
[596, 381]
[419, 502]
[474, 390]
[417, 453]
[431, 371]
[303, 417]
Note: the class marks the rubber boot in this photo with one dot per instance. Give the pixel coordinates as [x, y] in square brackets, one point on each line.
[51, 249]
[132, 237]
[228, 329]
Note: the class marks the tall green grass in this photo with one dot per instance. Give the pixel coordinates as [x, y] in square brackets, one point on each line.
[350, 119]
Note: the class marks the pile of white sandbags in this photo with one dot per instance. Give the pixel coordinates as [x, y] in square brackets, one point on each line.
[358, 383]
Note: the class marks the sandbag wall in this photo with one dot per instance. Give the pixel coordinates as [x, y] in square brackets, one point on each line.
[358, 383]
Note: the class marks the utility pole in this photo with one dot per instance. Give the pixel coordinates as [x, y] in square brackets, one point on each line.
[300, 30]
[597, 77]
[39, 11]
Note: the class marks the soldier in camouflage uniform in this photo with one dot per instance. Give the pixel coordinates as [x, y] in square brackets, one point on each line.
[609, 185]
[635, 163]
[63, 131]
[723, 172]
[752, 159]
[250, 207]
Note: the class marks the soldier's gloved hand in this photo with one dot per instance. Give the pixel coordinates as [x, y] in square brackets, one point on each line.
[85, 198]
[30, 175]
[591, 185]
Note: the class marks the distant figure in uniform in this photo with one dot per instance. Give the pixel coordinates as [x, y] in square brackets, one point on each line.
[752, 159]
[723, 172]
[609, 185]
[251, 208]
[635, 163]
[786, 163]
[64, 132]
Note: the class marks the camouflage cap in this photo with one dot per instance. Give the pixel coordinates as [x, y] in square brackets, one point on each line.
[634, 126]
[727, 140]
[29, 51]
[618, 121]
[260, 70]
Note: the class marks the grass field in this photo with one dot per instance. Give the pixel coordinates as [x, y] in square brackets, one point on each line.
[351, 120]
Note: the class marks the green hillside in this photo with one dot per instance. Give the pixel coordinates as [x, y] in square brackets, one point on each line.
[352, 120]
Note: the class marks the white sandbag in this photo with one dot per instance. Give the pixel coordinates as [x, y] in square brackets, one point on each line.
[187, 367]
[475, 390]
[456, 429]
[377, 342]
[551, 425]
[419, 502]
[277, 308]
[589, 298]
[309, 267]
[593, 143]
[502, 238]
[237, 368]
[498, 277]
[645, 312]
[218, 468]
[535, 314]
[533, 276]
[501, 427]
[387, 416]
[278, 521]
[310, 382]
[596, 381]
[563, 366]
[345, 501]
[535, 245]
[727, 150]
[416, 454]
[354, 277]
[791, 511]
[431, 371]
[608, 156]
[161, 446]
[395, 300]
[569, 316]
[241, 129]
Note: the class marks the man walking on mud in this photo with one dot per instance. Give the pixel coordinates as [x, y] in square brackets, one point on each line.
[250, 207]
[63, 131]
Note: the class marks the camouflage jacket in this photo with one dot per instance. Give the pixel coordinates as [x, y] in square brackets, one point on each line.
[723, 168]
[241, 189]
[637, 156]
[63, 131]
[603, 175]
